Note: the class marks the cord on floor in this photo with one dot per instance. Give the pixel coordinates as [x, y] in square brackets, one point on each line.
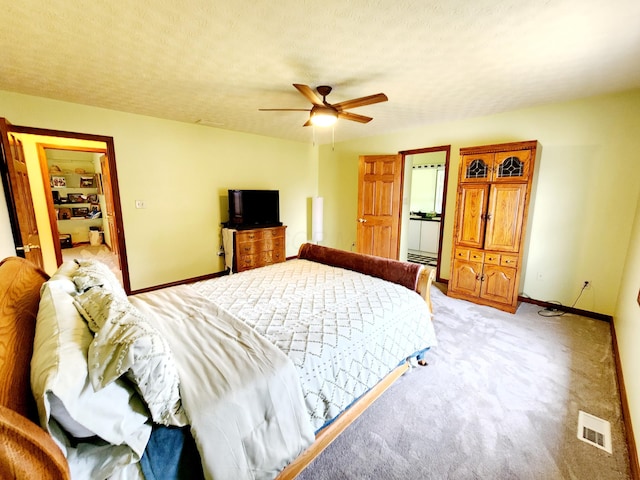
[557, 312]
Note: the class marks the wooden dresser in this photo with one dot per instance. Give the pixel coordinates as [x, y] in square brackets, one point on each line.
[258, 247]
[494, 191]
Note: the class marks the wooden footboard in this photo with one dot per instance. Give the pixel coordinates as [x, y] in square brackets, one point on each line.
[335, 428]
[426, 277]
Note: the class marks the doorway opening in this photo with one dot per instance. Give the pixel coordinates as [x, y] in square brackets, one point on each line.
[36, 143]
[425, 193]
[81, 208]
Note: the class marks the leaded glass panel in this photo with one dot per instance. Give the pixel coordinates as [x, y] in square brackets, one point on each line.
[511, 167]
[477, 169]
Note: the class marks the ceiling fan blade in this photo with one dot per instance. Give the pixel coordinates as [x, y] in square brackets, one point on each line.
[354, 117]
[307, 123]
[361, 102]
[308, 93]
[283, 109]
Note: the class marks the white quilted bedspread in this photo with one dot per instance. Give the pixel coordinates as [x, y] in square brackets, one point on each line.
[241, 394]
[342, 330]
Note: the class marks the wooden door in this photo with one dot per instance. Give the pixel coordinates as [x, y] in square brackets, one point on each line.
[379, 201]
[470, 221]
[505, 215]
[110, 213]
[18, 195]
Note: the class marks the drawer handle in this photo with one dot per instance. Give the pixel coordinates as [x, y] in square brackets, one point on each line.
[508, 261]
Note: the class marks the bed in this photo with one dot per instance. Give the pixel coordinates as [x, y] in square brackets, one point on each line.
[285, 356]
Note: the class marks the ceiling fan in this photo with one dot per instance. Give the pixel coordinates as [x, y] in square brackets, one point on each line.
[324, 113]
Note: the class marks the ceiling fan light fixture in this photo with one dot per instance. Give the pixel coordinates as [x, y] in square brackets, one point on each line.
[323, 116]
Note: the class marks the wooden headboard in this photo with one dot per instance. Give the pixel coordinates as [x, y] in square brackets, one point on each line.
[26, 450]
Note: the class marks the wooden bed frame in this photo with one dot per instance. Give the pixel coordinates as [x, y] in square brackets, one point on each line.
[27, 451]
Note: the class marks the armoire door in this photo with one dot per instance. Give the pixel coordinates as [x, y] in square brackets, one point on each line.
[498, 283]
[465, 277]
[472, 206]
[504, 217]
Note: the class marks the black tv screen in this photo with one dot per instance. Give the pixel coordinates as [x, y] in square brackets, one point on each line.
[254, 208]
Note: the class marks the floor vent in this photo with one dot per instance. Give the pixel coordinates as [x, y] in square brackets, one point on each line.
[595, 431]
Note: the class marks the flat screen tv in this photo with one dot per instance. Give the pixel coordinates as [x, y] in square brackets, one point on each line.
[254, 209]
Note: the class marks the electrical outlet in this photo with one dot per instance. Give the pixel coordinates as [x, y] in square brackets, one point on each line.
[140, 204]
[540, 276]
[587, 284]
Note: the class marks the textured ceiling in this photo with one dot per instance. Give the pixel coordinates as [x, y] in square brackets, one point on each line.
[217, 62]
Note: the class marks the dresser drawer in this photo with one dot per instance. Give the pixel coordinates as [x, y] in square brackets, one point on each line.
[476, 256]
[492, 258]
[249, 236]
[269, 257]
[278, 255]
[462, 253]
[272, 243]
[249, 247]
[509, 261]
[245, 262]
[273, 232]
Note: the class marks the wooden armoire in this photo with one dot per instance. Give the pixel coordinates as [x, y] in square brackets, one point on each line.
[493, 195]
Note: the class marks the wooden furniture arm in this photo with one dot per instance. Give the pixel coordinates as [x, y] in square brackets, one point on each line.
[426, 277]
[27, 451]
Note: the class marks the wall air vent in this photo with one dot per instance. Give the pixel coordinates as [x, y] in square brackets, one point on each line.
[594, 431]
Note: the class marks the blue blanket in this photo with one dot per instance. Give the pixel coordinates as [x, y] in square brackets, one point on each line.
[171, 454]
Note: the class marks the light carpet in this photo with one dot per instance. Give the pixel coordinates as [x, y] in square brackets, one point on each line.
[499, 400]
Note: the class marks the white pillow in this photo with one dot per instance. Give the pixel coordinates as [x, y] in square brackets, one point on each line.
[108, 427]
[91, 273]
[126, 344]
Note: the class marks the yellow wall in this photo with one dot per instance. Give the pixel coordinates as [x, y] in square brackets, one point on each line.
[627, 323]
[182, 172]
[584, 201]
